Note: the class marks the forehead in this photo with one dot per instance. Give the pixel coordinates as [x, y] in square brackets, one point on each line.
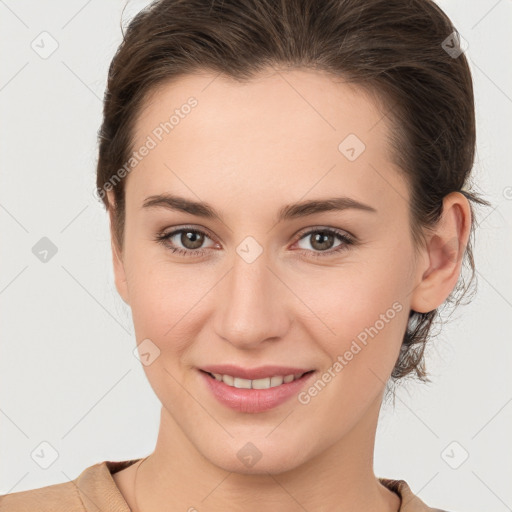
[288, 133]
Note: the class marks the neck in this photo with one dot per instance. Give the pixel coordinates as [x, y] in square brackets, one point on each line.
[177, 476]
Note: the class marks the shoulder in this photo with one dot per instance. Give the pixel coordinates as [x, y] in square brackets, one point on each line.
[93, 489]
[409, 501]
[63, 496]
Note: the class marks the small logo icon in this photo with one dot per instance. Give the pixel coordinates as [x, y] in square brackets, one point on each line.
[351, 147]
[454, 455]
[454, 45]
[146, 352]
[44, 455]
[249, 455]
[44, 45]
[44, 250]
[249, 249]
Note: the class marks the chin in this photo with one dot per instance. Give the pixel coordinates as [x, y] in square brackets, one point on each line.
[257, 457]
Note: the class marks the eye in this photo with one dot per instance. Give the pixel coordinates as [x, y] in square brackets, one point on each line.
[321, 240]
[190, 239]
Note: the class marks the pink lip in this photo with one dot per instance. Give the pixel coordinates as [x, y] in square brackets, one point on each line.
[254, 373]
[254, 400]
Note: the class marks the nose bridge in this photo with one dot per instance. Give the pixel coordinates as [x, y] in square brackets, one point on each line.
[250, 313]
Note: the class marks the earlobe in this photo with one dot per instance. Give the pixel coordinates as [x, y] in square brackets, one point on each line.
[444, 253]
[117, 258]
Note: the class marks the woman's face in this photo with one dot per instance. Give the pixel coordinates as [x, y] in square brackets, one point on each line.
[259, 281]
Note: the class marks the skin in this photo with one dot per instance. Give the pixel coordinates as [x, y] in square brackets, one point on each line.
[248, 150]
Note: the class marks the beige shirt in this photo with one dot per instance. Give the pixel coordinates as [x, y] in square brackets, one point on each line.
[95, 490]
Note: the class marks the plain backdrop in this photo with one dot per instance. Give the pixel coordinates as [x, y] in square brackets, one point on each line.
[70, 386]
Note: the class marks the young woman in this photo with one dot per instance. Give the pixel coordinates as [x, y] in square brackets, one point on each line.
[287, 185]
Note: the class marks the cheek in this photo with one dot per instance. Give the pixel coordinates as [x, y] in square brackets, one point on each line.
[365, 310]
[368, 322]
[164, 297]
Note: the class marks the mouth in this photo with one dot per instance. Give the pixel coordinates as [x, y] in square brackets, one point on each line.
[255, 395]
[262, 383]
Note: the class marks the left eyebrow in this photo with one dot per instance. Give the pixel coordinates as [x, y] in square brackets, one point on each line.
[296, 210]
[288, 212]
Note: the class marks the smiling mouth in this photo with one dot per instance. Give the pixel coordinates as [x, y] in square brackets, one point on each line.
[263, 383]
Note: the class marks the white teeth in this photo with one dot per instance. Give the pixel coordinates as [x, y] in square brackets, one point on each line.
[276, 381]
[261, 383]
[242, 383]
[266, 383]
[230, 381]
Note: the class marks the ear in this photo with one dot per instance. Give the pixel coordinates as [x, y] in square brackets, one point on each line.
[443, 255]
[117, 256]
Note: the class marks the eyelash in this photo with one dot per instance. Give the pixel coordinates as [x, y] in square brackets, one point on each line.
[347, 240]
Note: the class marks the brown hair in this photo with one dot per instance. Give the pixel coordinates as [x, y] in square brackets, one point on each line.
[394, 49]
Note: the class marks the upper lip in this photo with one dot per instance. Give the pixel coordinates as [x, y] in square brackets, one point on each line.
[260, 372]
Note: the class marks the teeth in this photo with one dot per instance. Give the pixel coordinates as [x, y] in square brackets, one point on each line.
[242, 383]
[268, 382]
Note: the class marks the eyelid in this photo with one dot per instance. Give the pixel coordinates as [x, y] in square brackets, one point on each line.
[177, 229]
[315, 229]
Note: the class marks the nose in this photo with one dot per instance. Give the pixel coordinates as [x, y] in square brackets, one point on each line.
[252, 304]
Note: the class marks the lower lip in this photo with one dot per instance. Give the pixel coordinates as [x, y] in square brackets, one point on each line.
[254, 400]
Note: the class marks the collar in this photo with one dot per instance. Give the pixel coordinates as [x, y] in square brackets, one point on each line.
[98, 491]
[409, 501]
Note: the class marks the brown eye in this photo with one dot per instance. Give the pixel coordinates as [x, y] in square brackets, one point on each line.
[186, 241]
[322, 240]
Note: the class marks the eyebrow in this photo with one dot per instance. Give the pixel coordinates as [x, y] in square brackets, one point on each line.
[288, 212]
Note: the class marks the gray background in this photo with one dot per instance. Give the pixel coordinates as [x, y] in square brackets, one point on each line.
[68, 374]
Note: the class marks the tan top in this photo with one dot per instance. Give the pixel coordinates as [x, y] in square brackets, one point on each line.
[95, 489]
